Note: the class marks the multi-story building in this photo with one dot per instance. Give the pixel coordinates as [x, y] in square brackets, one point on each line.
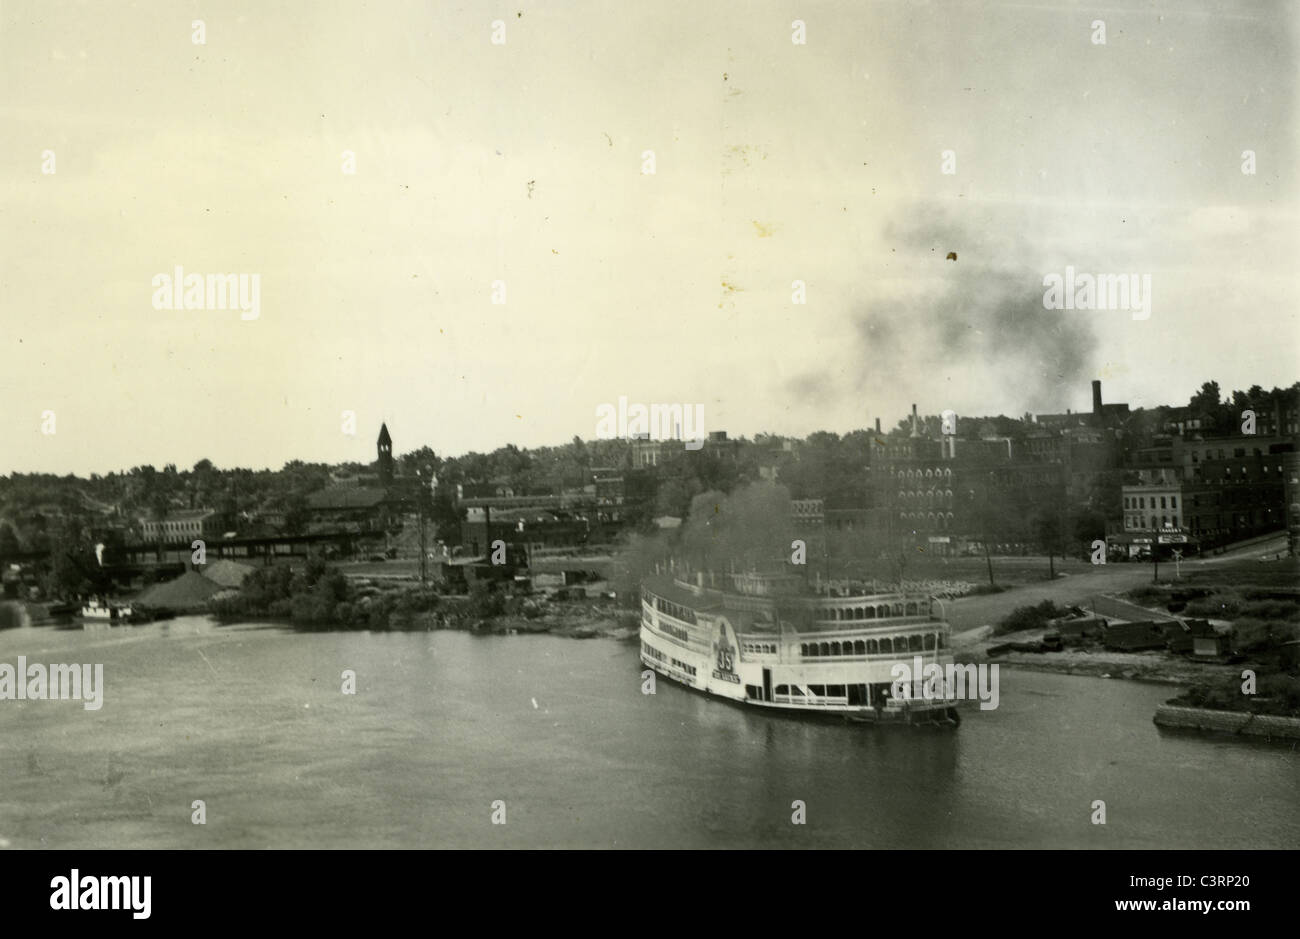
[1214, 490]
[183, 526]
[1154, 502]
[937, 492]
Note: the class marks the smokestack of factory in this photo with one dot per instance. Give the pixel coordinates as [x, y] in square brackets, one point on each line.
[1096, 397]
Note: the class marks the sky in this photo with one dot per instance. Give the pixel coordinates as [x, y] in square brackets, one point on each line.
[524, 162]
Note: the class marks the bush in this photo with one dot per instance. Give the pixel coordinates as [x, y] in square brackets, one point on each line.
[1030, 617]
[484, 602]
[1276, 694]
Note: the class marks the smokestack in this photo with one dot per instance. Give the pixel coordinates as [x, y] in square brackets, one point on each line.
[914, 430]
[877, 425]
[1096, 398]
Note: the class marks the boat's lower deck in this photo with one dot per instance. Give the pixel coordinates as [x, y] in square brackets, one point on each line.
[871, 703]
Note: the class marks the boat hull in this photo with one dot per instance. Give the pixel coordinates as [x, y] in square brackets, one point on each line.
[942, 715]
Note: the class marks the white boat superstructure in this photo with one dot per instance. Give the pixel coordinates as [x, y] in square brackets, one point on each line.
[767, 641]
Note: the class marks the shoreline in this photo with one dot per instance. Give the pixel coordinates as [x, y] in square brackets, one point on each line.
[1174, 673]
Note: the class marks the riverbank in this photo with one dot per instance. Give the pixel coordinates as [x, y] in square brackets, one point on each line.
[569, 621]
[1203, 720]
[1155, 667]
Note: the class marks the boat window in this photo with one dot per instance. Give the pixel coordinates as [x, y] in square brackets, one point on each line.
[835, 648]
[929, 640]
[859, 647]
[782, 689]
[871, 612]
[873, 647]
[914, 643]
[825, 648]
[835, 691]
[817, 691]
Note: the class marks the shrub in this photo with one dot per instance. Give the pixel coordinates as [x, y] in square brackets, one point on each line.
[1030, 617]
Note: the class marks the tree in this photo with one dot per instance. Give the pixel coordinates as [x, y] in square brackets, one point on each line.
[73, 567]
[9, 541]
[1207, 399]
[296, 514]
[445, 515]
[1049, 530]
[415, 462]
[992, 514]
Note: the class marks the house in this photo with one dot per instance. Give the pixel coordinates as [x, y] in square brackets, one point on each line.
[368, 508]
[1195, 637]
[188, 593]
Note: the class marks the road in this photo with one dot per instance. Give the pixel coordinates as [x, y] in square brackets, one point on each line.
[1077, 587]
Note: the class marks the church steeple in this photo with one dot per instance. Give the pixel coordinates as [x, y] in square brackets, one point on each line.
[385, 448]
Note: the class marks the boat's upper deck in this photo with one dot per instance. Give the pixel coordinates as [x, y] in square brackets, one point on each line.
[831, 610]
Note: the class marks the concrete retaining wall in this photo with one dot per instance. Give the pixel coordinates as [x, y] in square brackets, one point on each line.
[1228, 722]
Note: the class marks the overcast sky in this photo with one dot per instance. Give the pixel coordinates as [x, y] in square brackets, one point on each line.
[522, 162]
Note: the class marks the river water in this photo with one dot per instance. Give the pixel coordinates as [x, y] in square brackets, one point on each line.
[251, 720]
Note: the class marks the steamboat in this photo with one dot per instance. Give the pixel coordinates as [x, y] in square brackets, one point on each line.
[773, 641]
